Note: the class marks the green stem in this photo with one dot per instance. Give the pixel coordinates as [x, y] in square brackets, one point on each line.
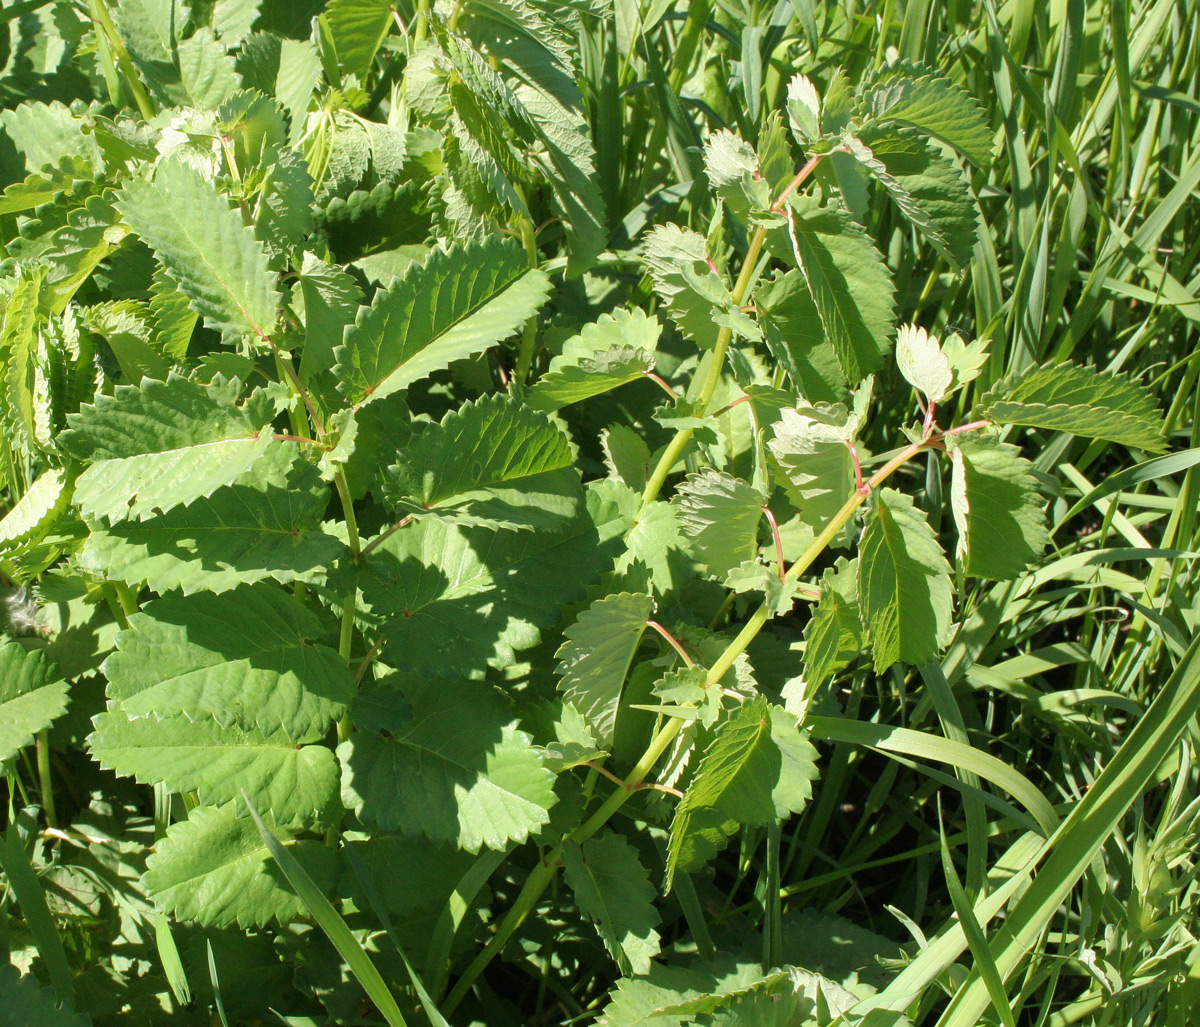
[45, 779]
[529, 334]
[101, 13]
[422, 26]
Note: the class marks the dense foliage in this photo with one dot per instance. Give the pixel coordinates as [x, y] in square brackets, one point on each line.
[523, 512]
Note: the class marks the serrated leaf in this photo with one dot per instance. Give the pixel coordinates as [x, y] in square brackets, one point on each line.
[596, 657]
[295, 782]
[677, 261]
[34, 511]
[150, 27]
[997, 509]
[922, 363]
[214, 869]
[671, 996]
[810, 447]
[658, 543]
[205, 246]
[626, 456]
[265, 525]
[233, 19]
[24, 1002]
[331, 301]
[720, 514]
[448, 599]
[796, 337]
[904, 587]
[727, 159]
[616, 349]
[456, 303]
[910, 94]
[245, 657]
[285, 198]
[46, 133]
[804, 109]
[929, 190]
[493, 462]
[834, 636]
[759, 768]
[32, 697]
[458, 771]
[1080, 400]
[752, 576]
[161, 444]
[172, 316]
[613, 890]
[849, 283]
[357, 28]
[206, 71]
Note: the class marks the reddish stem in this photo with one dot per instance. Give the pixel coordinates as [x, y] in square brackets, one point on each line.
[662, 382]
[386, 535]
[672, 641]
[859, 485]
[973, 426]
[781, 566]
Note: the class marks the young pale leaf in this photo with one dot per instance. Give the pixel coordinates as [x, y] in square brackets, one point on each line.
[847, 278]
[929, 190]
[35, 511]
[214, 869]
[295, 782]
[24, 1001]
[457, 770]
[753, 576]
[922, 363]
[728, 159]
[245, 657]
[796, 338]
[759, 768]
[834, 636]
[613, 890]
[811, 448]
[596, 656]
[720, 514]
[912, 95]
[999, 514]
[804, 109]
[205, 246]
[1079, 400]
[155, 446]
[265, 525]
[616, 349]
[449, 599]
[493, 462]
[457, 303]
[904, 585]
[32, 697]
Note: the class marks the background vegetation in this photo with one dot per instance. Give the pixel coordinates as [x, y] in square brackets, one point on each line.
[1086, 249]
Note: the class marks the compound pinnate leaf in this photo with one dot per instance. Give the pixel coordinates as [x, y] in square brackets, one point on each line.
[613, 890]
[834, 636]
[157, 445]
[205, 246]
[1079, 400]
[457, 770]
[32, 697]
[816, 464]
[999, 513]
[904, 587]
[449, 599]
[720, 514]
[910, 94]
[758, 769]
[23, 1002]
[244, 657]
[493, 462]
[295, 782]
[264, 525]
[458, 302]
[616, 349]
[214, 869]
[596, 656]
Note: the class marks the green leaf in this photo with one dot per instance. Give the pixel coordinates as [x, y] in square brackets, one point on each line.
[904, 585]
[924, 366]
[456, 303]
[24, 1002]
[35, 511]
[206, 72]
[997, 509]
[331, 301]
[296, 782]
[1080, 400]
[596, 656]
[758, 769]
[150, 27]
[616, 349]
[32, 697]
[626, 456]
[265, 525]
[448, 599]
[720, 514]
[161, 444]
[357, 28]
[214, 869]
[493, 462]
[909, 94]
[834, 636]
[929, 190]
[677, 261]
[796, 337]
[233, 19]
[672, 996]
[816, 465]
[245, 657]
[457, 771]
[205, 246]
[658, 543]
[46, 133]
[613, 890]
[850, 285]
[172, 316]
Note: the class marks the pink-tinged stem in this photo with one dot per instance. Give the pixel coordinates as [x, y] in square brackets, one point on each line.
[386, 535]
[663, 383]
[973, 426]
[672, 641]
[860, 486]
[781, 566]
